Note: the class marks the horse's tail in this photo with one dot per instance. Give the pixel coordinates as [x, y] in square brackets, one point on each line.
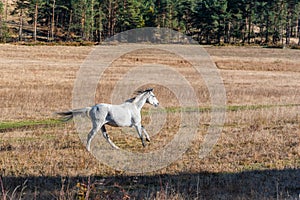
[68, 115]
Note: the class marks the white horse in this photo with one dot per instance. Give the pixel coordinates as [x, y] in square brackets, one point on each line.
[126, 114]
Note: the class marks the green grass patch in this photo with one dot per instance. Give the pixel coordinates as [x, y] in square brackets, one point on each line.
[178, 109]
[4, 126]
[231, 108]
[27, 123]
[258, 107]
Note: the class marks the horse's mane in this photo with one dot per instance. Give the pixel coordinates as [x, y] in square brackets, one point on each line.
[144, 91]
[138, 93]
[130, 100]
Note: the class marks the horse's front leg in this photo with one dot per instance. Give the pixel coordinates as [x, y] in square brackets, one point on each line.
[146, 134]
[139, 130]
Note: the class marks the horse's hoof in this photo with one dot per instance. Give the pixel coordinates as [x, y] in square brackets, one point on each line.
[88, 148]
[116, 148]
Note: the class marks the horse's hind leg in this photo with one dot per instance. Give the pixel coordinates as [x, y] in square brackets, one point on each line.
[91, 135]
[97, 121]
[106, 136]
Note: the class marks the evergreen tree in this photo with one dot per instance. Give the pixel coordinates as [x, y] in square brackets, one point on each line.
[211, 21]
[233, 22]
[184, 17]
[33, 13]
[148, 10]
[130, 15]
[21, 7]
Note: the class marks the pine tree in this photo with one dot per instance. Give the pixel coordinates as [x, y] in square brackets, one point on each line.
[233, 22]
[210, 20]
[149, 12]
[185, 11]
[20, 8]
[130, 16]
[33, 13]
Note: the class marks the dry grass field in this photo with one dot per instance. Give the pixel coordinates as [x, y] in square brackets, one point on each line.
[256, 157]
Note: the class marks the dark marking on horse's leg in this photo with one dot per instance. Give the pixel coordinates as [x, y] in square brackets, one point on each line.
[104, 133]
[106, 136]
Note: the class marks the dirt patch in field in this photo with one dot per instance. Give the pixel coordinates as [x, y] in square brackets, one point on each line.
[256, 59]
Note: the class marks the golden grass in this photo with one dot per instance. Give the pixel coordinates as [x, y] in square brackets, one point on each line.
[37, 81]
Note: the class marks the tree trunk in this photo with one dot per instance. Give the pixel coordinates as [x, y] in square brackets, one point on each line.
[1, 28]
[267, 28]
[227, 32]
[70, 22]
[110, 18]
[6, 10]
[53, 21]
[21, 26]
[219, 31]
[170, 23]
[92, 21]
[35, 22]
[299, 31]
[287, 30]
[289, 24]
[249, 29]
[83, 16]
[114, 20]
[100, 24]
[112, 7]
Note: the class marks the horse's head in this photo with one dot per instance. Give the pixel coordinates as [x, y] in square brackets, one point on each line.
[151, 99]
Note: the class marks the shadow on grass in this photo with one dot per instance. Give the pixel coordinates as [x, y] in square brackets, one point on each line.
[267, 184]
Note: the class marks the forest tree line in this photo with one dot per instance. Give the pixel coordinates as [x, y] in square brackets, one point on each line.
[207, 21]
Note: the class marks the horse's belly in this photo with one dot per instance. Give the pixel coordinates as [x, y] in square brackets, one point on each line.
[113, 119]
[114, 124]
[118, 124]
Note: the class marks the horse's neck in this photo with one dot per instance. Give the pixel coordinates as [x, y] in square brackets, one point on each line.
[140, 101]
